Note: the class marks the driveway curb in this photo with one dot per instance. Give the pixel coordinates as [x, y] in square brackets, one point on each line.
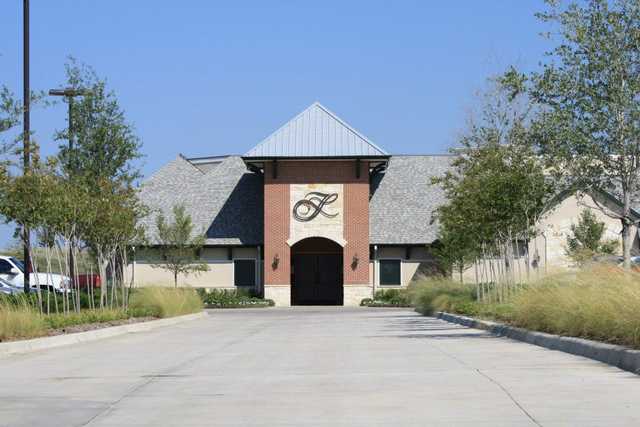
[44, 343]
[614, 355]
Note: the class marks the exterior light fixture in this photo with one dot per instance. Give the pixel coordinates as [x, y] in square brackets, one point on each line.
[276, 261]
[354, 261]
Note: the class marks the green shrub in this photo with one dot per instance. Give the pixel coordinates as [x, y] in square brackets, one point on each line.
[59, 321]
[393, 297]
[164, 302]
[232, 298]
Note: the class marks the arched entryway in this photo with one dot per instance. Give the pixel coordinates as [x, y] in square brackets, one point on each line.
[316, 272]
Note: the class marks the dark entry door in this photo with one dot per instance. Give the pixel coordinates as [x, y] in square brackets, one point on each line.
[317, 279]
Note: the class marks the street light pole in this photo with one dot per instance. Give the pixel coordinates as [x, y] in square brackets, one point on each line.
[26, 149]
[69, 93]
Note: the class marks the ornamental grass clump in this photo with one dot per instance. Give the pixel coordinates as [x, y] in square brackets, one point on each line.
[599, 302]
[19, 319]
[431, 294]
[164, 302]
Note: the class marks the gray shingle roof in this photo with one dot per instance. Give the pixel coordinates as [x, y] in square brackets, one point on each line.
[225, 202]
[401, 208]
[316, 132]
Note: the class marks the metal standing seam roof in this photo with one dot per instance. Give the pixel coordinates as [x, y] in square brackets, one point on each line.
[316, 132]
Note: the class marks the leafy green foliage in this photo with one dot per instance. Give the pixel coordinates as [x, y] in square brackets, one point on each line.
[585, 241]
[60, 321]
[496, 189]
[105, 144]
[388, 298]
[10, 111]
[588, 131]
[232, 298]
[179, 246]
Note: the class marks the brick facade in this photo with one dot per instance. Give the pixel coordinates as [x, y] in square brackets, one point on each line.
[277, 215]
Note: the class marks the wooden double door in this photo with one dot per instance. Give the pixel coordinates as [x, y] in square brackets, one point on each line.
[316, 279]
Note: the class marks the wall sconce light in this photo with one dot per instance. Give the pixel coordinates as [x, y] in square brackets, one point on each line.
[354, 262]
[276, 261]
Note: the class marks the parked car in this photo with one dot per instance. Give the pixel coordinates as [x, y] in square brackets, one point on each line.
[12, 271]
[7, 288]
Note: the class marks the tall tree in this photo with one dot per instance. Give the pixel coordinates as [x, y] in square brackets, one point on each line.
[106, 146]
[179, 245]
[589, 93]
[496, 189]
[102, 166]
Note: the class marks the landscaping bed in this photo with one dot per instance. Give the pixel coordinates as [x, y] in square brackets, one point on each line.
[21, 317]
[232, 298]
[388, 298]
[599, 303]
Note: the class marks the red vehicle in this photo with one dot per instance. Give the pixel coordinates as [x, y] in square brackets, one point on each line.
[85, 281]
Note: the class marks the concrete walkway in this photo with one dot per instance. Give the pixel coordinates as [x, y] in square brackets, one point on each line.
[313, 366]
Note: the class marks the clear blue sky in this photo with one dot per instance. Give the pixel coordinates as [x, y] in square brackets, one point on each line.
[215, 77]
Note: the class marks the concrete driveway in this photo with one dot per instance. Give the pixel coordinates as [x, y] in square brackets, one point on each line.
[313, 366]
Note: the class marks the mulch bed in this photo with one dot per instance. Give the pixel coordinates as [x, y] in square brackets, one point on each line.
[100, 325]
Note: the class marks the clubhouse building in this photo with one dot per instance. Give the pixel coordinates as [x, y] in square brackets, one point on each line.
[316, 213]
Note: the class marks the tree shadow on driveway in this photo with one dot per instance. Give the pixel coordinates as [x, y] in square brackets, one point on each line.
[427, 328]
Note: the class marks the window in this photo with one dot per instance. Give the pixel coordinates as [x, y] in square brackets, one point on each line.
[5, 266]
[520, 248]
[244, 272]
[18, 264]
[390, 272]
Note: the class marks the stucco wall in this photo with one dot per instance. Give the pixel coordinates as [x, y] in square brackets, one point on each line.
[220, 274]
[551, 243]
[420, 259]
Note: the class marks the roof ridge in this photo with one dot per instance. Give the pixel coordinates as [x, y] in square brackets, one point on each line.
[332, 115]
[348, 126]
[265, 139]
[186, 160]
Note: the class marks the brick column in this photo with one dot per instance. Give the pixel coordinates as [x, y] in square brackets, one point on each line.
[277, 278]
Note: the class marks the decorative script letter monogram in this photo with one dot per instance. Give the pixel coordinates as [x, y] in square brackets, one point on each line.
[312, 205]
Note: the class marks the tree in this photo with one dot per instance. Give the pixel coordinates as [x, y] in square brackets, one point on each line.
[585, 241]
[10, 111]
[178, 245]
[455, 248]
[106, 146]
[496, 188]
[101, 166]
[589, 128]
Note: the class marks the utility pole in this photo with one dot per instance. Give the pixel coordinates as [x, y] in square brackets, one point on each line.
[26, 134]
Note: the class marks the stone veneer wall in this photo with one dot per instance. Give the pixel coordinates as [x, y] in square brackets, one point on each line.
[356, 220]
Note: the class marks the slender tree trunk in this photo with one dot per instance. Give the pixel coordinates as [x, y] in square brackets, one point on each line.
[627, 242]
